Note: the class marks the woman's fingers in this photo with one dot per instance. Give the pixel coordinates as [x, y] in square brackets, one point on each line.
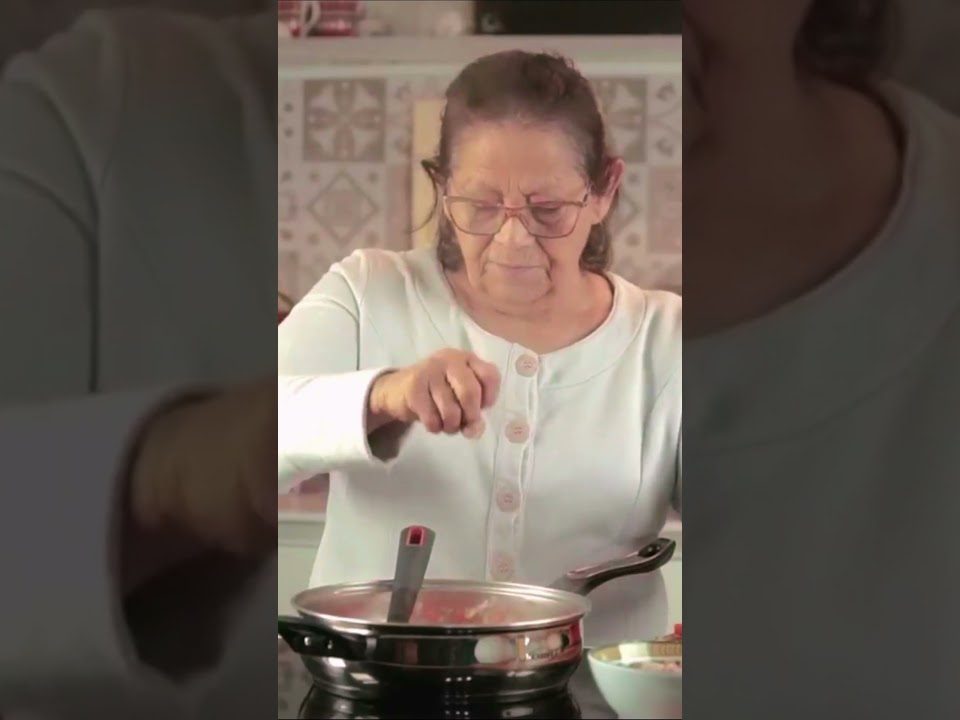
[422, 405]
[451, 414]
[466, 386]
[447, 392]
[489, 378]
[469, 391]
[474, 430]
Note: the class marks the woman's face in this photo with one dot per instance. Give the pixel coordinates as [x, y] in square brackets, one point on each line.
[519, 164]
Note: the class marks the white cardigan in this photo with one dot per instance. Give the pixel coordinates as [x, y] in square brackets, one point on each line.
[579, 461]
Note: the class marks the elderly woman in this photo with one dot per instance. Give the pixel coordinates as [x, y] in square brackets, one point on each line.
[502, 388]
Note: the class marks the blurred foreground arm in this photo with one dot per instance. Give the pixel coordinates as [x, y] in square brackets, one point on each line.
[98, 491]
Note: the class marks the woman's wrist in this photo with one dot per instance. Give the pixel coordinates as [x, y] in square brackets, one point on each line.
[377, 414]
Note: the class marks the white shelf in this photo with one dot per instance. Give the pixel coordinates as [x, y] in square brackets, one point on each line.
[606, 54]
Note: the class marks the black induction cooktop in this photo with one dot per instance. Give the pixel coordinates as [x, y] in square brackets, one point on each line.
[297, 697]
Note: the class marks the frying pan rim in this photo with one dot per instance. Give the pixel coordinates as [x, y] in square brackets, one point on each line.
[367, 627]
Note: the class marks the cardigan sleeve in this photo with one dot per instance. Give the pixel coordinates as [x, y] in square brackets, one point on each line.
[322, 393]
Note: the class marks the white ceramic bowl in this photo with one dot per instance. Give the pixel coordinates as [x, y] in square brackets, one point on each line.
[635, 692]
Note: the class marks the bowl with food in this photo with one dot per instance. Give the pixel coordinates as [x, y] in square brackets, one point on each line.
[642, 679]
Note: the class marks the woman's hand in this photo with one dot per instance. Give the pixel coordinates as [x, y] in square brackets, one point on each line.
[446, 392]
[203, 478]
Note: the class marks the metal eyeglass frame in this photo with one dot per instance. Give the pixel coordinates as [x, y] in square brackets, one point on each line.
[509, 212]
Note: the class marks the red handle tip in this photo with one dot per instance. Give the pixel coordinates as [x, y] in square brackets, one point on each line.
[416, 536]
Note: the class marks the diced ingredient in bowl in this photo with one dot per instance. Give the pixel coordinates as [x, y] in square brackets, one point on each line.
[665, 666]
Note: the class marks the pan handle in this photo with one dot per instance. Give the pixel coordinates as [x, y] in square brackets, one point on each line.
[306, 637]
[650, 557]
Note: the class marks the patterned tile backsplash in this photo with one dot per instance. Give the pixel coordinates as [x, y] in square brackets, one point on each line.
[345, 168]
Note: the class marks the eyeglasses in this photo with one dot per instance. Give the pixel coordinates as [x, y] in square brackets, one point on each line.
[552, 219]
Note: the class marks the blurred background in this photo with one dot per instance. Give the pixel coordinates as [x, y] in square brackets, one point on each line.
[25, 24]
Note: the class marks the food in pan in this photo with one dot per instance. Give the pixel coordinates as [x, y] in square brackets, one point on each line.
[449, 609]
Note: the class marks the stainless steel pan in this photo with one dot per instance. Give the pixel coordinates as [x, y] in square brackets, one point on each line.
[465, 640]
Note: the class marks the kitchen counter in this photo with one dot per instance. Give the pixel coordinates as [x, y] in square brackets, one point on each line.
[296, 698]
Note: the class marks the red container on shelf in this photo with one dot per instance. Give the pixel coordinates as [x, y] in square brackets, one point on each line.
[314, 18]
[339, 17]
[288, 16]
